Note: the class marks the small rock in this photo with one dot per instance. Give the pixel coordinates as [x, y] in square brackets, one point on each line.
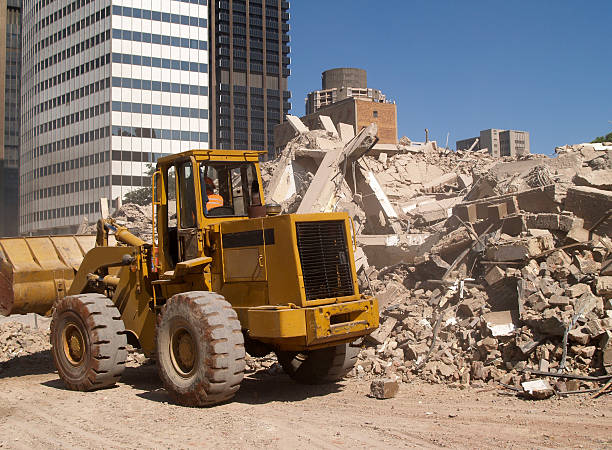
[384, 388]
[577, 290]
[578, 336]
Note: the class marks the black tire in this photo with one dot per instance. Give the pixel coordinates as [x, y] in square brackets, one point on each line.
[325, 365]
[88, 342]
[200, 349]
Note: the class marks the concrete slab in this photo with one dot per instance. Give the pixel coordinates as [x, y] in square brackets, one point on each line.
[347, 132]
[297, 124]
[328, 125]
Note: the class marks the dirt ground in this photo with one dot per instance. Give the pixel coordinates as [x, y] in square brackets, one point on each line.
[273, 412]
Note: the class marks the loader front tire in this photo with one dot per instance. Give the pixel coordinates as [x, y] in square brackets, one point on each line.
[200, 349]
[88, 342]
[325, 365]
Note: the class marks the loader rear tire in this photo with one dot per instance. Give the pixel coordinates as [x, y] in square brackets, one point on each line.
[200, 349]
[325, 365]
[88, 342]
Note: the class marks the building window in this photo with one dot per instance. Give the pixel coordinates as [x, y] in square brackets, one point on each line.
[375, 114]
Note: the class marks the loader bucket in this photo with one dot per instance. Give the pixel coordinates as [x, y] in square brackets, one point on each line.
[36, 271]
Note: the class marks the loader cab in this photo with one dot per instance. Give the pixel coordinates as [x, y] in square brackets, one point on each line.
[209, 187]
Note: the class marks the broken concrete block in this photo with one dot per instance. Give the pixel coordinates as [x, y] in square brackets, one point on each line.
[595, 328]
[578, 336]
[547, 242]
[297, 124]
[567, 223]
[590, 204]
[494, 275]
[587, 264]
[519, 250]
[604, 287]
[328, 125]
[543, 221]
[601, 179]
[558, 259]
[543, 365]
[577, 290]
[347, 132]
[606, 267]
[393, 291]
[464, 181]
[382, 333]
[548, 324]
[384, 388]
[588, 352]
[559, 300]
[497, 212]
[578, 234]
[528, 347]
[467, 213]
[470, 308]
[361, 260]
[438, 184]
[501, 323]
[514, 225]
[537, 389]
[412, 352]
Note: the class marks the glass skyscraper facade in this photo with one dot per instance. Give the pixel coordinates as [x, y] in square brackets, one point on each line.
[109, 86]
[10, 81]
[249, 71]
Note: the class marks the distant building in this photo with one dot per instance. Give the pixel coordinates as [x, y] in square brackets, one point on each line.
[499, 142]
[249, 71]
[340, 84]
[10, 82]
[357, 112]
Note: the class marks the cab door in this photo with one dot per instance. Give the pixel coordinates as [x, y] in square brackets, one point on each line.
[189, 246]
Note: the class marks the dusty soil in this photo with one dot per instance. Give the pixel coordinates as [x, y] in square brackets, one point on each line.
[273, 412]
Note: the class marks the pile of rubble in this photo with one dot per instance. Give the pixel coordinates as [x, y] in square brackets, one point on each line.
[486, 269]
[135, 217]
[18, 340]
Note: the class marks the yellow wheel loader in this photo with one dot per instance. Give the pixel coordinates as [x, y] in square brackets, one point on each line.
[224, 275]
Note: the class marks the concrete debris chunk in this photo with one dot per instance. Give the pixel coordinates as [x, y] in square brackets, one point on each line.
[384, 388]
[537, 389]
[479, 264]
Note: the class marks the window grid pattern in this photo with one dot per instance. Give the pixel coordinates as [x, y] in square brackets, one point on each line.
[107, 90]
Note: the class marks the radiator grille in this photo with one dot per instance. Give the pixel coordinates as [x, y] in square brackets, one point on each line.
[324, 258]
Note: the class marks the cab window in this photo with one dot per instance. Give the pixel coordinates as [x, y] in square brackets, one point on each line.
[223, 188]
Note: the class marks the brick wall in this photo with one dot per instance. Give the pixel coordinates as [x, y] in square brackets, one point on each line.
[382, 114]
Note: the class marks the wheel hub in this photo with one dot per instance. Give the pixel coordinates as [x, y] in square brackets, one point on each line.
[74, 344]
[183, 352]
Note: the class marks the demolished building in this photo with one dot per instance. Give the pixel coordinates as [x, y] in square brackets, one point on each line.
[486, 269]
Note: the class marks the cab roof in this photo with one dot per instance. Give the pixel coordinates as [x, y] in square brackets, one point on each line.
[213, 155]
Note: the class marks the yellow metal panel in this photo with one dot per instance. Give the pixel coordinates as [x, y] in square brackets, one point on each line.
[25, 287]
[18, 254]
[276, 323]
[244, 264]
[69, 250]
[45, 254]
[87, 242]
[245, 294]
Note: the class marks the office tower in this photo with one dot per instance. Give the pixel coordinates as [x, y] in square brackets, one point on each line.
[249, 59]
[10, 80]
[108, 87]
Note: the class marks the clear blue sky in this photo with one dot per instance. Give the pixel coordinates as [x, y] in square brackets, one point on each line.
[464, 66]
